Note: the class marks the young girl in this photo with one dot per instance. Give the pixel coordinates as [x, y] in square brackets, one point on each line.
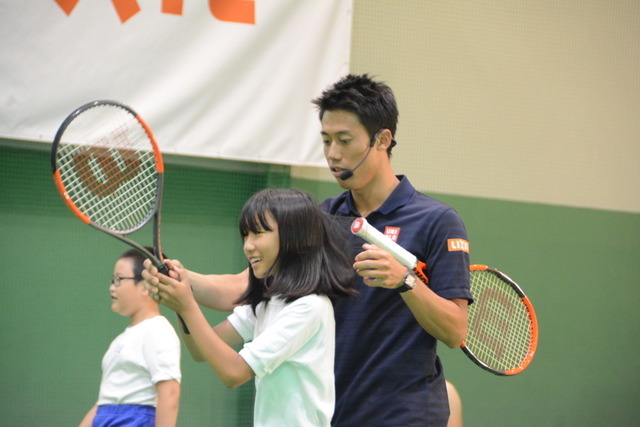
[141, 369]
[297, 268]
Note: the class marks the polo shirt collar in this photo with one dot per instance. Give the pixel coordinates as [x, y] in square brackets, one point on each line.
[398, 198]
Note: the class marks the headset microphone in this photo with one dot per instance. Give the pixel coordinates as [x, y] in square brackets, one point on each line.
[346, 174]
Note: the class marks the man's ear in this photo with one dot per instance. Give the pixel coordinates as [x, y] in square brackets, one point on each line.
[384, 139]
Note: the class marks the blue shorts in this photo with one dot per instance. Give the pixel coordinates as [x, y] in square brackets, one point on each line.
[125, 416]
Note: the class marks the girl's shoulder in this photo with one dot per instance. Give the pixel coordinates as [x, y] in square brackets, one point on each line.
[308, 303]
[312, 311]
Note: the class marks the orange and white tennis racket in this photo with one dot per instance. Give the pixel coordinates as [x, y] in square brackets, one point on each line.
[502, 335]
[108, 168]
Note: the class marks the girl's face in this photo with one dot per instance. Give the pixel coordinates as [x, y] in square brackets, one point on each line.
[261, 248]
[127, 296]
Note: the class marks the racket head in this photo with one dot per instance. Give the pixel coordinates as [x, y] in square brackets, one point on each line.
[503, 329]
[108, 168]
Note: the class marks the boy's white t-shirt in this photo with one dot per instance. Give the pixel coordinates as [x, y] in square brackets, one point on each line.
[136, 360]
[290, 348]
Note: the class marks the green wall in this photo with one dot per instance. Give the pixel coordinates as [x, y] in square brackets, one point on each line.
[578, 268]
[577, 265]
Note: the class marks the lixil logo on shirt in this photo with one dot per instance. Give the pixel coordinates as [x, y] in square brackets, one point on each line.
[458, 245]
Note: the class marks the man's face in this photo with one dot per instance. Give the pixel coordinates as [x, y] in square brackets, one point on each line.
[346, 142]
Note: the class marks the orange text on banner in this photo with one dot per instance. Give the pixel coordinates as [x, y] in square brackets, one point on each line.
[240, 11]
[173, 7]
[67, 6]
[126, 9]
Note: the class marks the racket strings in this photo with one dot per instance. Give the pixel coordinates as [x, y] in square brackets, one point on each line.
[111, 175]
[500, 330]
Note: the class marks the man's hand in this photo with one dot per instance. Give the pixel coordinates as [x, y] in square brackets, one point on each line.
[379, 268]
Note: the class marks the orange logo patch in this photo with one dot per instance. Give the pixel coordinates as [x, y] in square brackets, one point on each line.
[458, 245]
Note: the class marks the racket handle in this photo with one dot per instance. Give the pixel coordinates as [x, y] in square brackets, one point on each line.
[163, 269]
[360, 227]
[183, 325]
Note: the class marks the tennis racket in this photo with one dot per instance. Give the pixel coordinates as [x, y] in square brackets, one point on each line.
[502, 335]
[108, 169]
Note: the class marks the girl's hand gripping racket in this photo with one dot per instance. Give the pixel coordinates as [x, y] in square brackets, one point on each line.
[108, 169]
[503, 330]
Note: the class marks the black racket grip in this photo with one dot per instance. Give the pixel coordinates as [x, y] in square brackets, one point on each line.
[183, 325]
[163, 269]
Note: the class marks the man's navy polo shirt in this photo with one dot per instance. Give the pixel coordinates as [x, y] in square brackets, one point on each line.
[387, 370]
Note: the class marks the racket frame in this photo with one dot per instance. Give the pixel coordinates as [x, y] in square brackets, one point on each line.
[533, 328]
[154, 213]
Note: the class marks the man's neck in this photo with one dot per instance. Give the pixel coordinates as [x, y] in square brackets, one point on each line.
[370, 197]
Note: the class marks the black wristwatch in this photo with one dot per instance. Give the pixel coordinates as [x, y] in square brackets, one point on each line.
[408, 283]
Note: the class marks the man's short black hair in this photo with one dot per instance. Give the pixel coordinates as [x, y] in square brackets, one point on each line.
[372, 102]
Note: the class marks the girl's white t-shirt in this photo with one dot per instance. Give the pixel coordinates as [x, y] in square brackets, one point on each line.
[290, 348]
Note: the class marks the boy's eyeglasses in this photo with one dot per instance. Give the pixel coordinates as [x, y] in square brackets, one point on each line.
[115, 281]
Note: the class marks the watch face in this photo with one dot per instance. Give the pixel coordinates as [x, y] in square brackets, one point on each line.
[410, 280]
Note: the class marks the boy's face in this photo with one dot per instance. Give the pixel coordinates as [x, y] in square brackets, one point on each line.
[346, 142]
[128, 297]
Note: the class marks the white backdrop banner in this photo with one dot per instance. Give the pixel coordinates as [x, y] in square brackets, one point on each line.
[230, 79]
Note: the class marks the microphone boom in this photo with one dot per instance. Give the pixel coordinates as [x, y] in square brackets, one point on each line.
[348, 173]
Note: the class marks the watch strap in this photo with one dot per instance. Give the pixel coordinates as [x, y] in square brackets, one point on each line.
[408, 283]
[403, 288]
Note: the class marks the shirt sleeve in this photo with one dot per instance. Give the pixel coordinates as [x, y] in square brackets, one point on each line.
[162, 352]
[448, 257]
[291, 329]
[243, 321]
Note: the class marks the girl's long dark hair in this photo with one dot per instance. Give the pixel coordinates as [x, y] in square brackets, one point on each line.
[314, 255]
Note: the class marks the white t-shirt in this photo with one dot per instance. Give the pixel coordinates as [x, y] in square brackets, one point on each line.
[136, 360]
[291, 352]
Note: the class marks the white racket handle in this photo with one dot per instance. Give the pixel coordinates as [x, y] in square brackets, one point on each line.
[360, 227]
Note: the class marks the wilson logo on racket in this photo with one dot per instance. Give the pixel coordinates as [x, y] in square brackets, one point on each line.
[496, 310]
[101, 173]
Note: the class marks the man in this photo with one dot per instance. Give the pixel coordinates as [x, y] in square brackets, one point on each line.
[387, 369]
